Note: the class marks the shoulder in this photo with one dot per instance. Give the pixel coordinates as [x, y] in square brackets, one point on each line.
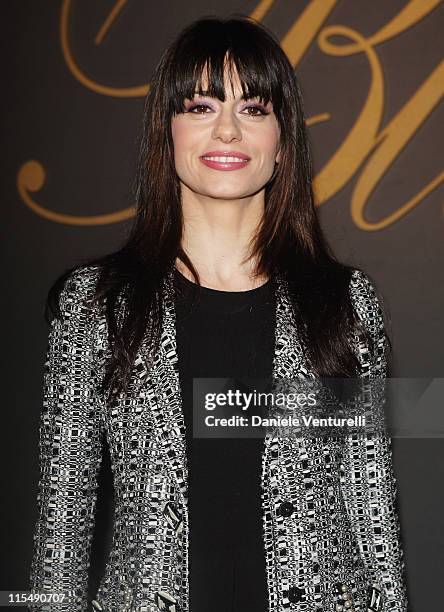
[83, 279]
[366, 300]
[74, 292]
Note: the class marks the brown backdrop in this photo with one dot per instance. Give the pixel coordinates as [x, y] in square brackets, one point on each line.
[372, 76]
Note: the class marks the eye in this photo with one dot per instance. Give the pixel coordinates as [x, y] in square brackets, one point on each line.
[258, 107]
[260, 110]
[194, 106]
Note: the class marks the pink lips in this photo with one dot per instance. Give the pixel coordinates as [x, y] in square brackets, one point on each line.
[217, 165]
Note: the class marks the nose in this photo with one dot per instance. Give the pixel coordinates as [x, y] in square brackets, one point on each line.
[227, 127]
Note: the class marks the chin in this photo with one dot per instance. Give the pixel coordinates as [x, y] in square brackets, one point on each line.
[228, 195]
[231, 192]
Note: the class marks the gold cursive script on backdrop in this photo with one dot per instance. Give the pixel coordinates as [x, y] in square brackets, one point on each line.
[366, 148]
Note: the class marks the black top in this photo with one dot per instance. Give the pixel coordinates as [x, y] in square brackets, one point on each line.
[224, 334]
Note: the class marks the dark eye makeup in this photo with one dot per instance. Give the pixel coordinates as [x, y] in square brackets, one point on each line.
[259, 107]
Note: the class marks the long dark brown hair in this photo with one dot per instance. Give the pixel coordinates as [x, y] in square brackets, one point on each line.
[290, 239]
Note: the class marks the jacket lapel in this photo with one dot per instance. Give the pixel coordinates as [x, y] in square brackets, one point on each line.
[161, 385]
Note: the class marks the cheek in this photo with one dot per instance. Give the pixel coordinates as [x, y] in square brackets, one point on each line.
[178, 136]
[268, 141]
[184, 138]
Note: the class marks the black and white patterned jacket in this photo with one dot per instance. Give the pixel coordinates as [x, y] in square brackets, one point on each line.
[330, 526]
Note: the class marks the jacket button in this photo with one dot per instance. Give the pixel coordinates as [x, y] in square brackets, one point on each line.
[286, 508]
[295, 594]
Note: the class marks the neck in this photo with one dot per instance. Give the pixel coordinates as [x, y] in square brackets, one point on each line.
[216, 237]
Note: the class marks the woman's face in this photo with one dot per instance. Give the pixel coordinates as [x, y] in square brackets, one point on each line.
[209, 126]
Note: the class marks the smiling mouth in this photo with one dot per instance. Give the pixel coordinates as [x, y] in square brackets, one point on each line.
[224, 158]
[224, 162]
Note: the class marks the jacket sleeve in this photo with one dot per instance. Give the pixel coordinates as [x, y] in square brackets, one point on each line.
[70, 454]
[368, 481]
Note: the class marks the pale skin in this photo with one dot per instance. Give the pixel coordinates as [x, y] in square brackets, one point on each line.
[223, 209]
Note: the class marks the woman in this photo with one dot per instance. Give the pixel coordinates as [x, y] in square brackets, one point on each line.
[225, 274]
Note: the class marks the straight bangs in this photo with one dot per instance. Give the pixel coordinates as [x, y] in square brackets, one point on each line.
[199, 65]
